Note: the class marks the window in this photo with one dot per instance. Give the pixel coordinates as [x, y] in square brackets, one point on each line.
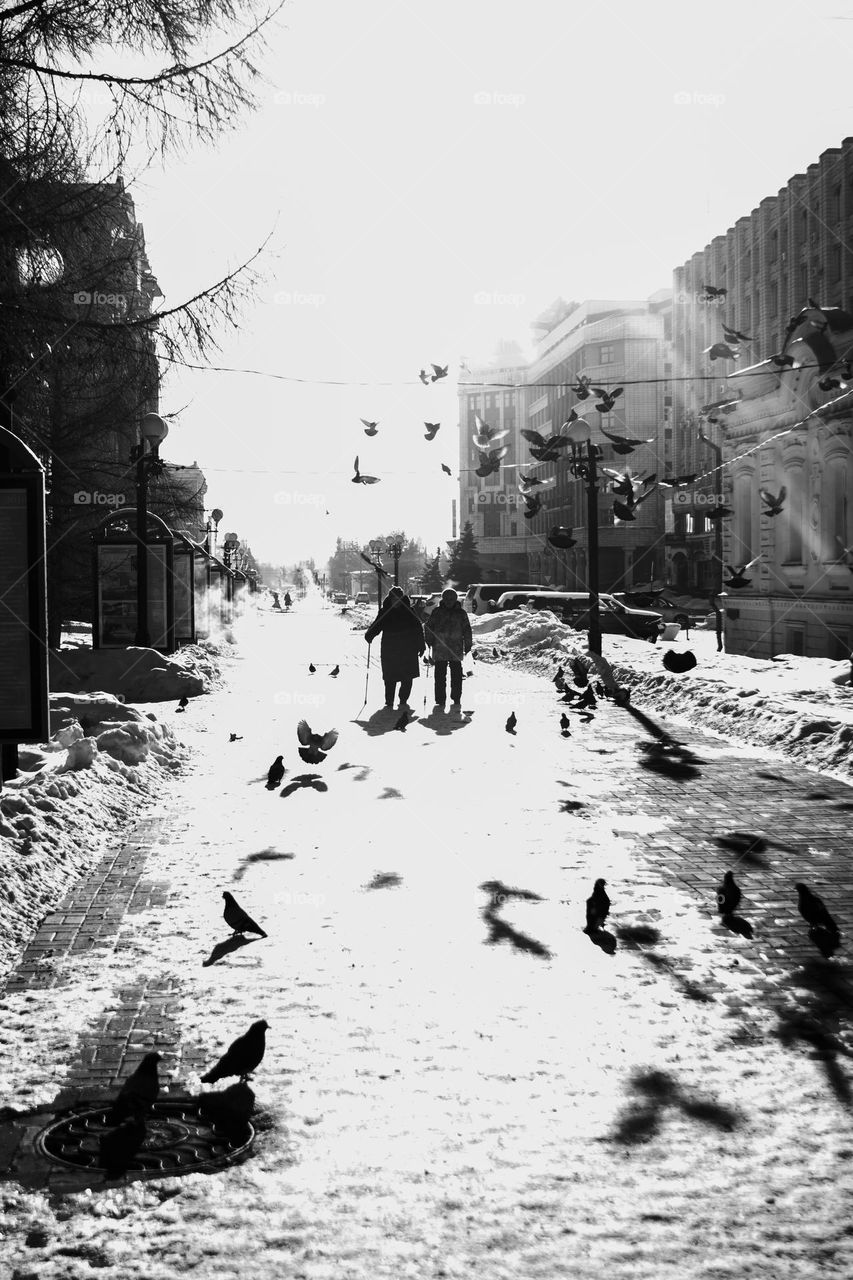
[606, 355]
[835, 262]
[773, 246]
[804, 226]
[747, 312]
[835, 506]
[491, 522]
[804, 285]
[513, 528]
[835, 203]
[774, 300]
[747, 263]
[794, 643]
[742, 520]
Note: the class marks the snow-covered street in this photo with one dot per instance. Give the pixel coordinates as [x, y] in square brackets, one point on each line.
[457, 1078]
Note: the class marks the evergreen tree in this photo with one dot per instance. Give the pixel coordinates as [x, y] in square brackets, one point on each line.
[464, 565]
[431, 579]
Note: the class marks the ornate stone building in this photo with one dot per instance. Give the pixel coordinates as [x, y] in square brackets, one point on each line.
[781, 429]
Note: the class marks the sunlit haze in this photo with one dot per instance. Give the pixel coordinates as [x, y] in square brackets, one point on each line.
[434, 176]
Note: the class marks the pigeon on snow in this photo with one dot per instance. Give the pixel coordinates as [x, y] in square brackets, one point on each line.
[242, 1057]
[237, 919]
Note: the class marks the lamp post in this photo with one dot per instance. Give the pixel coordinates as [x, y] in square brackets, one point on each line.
[718, 542]
[153, 431]
[215, 516]
[583, 467]
[396, 551]
[376, 548]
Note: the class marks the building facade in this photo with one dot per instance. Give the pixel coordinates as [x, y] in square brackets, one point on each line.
[793, 247]
[614, 343]
[782, 429]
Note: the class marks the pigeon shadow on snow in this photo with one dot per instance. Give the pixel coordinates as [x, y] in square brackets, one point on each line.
[692, 990]
[656, 1092]
[638, 935]
[385, 880]
[263, 855]
[773, 777]
[665, 755]
[603, 939]
[390, 793]
[363, 774]
[820, 1007]
[749, 848]
[572, 806]
[499, 929]
[224, 948]
[736, 924]
[303, 780]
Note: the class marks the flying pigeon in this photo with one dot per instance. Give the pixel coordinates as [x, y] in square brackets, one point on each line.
[182, 705]
[512, 721]
[624, 444]
[439, 372]
[491, 462]
[597, 907]
[782, 361]
[814, 912]
[139, 1091]
[545, 450]
[369, 430]
[721, 351]
[728, 895]
[580, 389]
[831, 384]
[732, 335]
[424, 377]
[675, 482]
[486, 435]
[712, 291]
[526, 483]
[607, 398]
[533, 507]
[736, 578]
[275, 774]
[561, 537]
[242, 1057]
[358, 478]
[431, 430]
[314, 745]
[677, 662]
[446, 469]
[625, 510]
[235, 738]
[718, 513]
[237, 919]
[312, 668]
[774, 505]
[565, 723]
[402, 722]
[336, 672]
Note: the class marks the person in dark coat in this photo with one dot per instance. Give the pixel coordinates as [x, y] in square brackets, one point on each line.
[448, 633]
[402, 645]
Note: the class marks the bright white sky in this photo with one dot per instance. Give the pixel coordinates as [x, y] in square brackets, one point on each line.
[398, 196]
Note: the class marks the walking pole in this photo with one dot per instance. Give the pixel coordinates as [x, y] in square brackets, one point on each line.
[366, 680]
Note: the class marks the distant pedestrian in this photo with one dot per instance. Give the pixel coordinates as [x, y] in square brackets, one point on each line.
[288, 601]
[448, 633]
[276, 602]
[402, 644]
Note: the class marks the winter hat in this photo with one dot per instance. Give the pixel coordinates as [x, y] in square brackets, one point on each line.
[449, 595]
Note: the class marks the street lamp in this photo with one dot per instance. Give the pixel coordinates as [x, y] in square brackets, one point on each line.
[718, 540]
[153, 431]
[214, 517]
[583, 467]
[396, 551]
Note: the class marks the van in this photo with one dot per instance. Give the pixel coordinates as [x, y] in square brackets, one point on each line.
[480, 596]
[556, 601]
[361, 597]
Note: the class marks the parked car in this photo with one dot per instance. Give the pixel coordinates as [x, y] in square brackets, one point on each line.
[339, 598]
[480, 596]
[556, 601]
[618, 619]
[362, 597]
[687, 611]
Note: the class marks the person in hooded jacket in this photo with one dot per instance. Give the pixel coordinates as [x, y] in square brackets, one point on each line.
[402, 645]
[448, 633]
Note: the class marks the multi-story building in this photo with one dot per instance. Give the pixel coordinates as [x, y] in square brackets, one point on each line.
[793, 247]
[614, 343]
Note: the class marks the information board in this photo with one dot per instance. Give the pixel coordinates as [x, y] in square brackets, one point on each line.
[24, 715]
[116, 594]
[184, 590]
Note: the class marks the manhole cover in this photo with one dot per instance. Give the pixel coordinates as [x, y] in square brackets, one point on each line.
[179, 1137]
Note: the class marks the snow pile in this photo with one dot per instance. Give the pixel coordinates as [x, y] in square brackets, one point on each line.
[139, 675]
[105, 762]
[801, 707]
